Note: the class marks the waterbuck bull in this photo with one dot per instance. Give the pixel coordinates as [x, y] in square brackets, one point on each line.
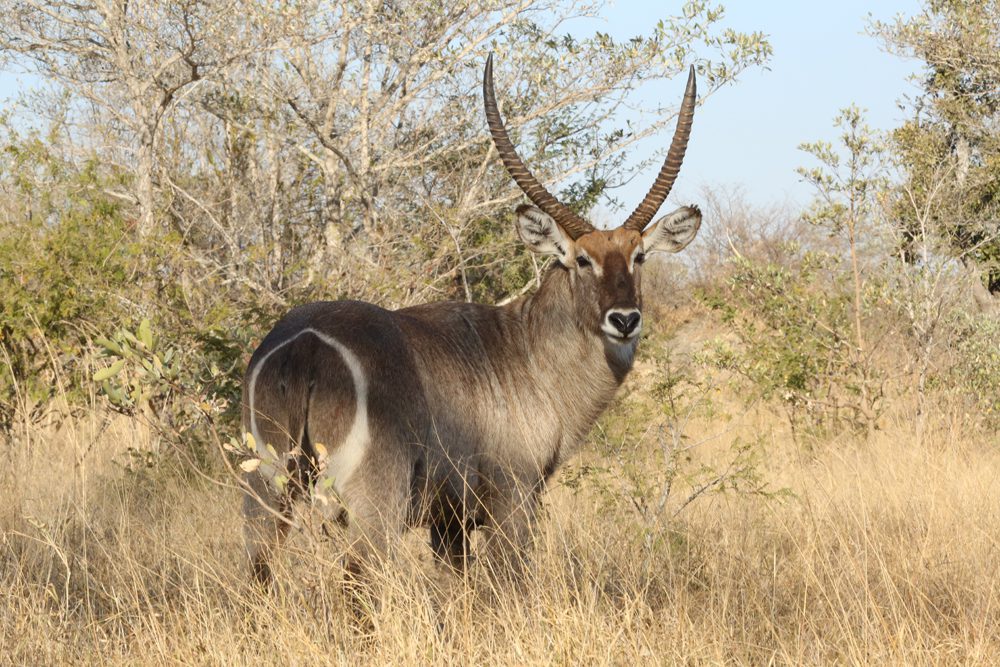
[453, 415]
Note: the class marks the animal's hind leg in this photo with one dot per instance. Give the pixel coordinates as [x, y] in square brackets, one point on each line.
[266, 516]
[377, 501]
[375, 520]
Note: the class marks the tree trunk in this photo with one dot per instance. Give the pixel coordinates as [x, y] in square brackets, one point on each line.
[145, 186]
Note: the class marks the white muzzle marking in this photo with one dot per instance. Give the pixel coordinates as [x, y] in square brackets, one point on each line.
[613, 332]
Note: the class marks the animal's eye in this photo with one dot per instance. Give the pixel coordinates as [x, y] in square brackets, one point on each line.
[582, 262]
[640, 258]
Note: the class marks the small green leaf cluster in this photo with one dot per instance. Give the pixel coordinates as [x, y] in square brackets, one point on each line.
[180, 388]
[139, 370]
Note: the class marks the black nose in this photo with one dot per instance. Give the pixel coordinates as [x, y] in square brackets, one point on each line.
[625, 322]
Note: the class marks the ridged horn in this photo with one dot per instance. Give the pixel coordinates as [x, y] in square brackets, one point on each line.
[574, 225]
[645, 211]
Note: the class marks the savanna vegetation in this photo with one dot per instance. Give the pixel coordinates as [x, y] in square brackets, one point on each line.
[802, 466]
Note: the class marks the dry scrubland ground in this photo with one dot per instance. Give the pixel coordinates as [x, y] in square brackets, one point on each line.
[880, 552]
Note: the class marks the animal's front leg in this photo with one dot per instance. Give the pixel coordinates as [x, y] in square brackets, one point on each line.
[509, 523]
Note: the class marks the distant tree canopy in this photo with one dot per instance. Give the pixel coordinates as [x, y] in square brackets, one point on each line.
[949, 151]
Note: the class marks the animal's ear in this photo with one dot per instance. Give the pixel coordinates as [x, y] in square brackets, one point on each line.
[543, 235]
[672, 232]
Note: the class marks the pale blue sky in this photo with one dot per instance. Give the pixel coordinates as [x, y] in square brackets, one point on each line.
[747, 135]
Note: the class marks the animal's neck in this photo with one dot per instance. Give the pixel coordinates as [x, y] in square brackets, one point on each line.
[578, 368]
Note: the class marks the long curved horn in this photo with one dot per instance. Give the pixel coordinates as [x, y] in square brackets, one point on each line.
[574, 225]
[645, 211]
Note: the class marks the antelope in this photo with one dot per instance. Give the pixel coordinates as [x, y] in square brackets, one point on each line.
[451, 415]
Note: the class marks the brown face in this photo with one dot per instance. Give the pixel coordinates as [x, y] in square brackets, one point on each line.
[605, 265]
[606, 282]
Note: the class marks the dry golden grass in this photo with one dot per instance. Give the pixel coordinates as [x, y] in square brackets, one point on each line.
[880, 553]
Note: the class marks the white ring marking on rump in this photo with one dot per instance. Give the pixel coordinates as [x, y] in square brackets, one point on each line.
[345, 458]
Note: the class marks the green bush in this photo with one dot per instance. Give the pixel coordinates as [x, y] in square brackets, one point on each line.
[977, 369]
[78, 282]
[794, 341]
[189, 392]
[64, 277]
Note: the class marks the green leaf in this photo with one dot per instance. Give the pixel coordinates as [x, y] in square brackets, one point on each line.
[109, 372]
[145, 334]
[109, 345]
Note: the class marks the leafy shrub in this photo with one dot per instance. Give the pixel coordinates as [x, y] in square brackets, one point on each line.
[651, 452]
[794, 341]
[977, 369]
[188, 392]
[62, 280]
